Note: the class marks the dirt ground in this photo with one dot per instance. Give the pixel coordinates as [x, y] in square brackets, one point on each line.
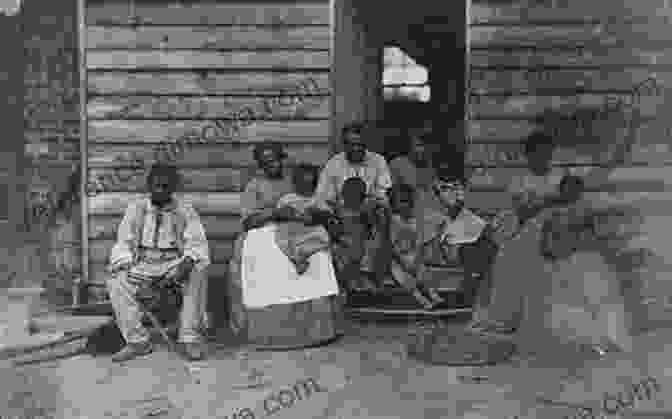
[366, 374]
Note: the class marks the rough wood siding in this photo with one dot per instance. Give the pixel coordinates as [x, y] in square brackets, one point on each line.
[574, 57]
[200, 84]
[48, 149]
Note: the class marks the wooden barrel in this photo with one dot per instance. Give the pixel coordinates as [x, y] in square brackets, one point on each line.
[290, 326]
[282, 326]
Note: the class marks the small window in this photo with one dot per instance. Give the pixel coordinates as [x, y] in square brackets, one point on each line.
[403, 78]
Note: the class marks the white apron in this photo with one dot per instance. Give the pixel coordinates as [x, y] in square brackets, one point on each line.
[268, 277]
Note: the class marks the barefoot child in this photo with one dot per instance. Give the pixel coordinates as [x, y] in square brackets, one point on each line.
[404, 236]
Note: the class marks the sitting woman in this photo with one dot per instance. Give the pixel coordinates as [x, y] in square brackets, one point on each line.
[261, 274]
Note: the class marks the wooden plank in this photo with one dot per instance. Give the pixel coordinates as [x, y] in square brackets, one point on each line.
[580, 57]
[532, 106]
[562, 11]
[213, 37]
[220, 250]
[620, 179]
[622, 34]
[226, 154]
[503, 130]
[221, 179]
[152, 131]
[210, 12]
[652, 151]
[557, 81]
[213, 203]
[98, 274]
[217, 227]
[200, 59]
[152, 107]
[208, 83]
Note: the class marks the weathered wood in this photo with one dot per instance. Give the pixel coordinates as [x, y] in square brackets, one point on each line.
[566, 11]
[622, 34]
[210, 12]
[213, 203]
[580, 57]
[620, 179]
[98, 274]
[239, 60]
[217, 227]
[225, 154]
[220, 250]
[653, 150]
[559, 81]
[208, 83]
[221, 179]
[214, 37]
[531, 106]
[147, 107]
[502, 130]
[207, 131]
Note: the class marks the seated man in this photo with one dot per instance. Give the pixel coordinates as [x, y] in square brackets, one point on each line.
[159, 239]
[372, 169]
[455, 233]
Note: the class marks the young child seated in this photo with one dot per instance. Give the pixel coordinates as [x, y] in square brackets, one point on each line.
[404, 238]
[300, 240]
[453, 233]
[356, 225]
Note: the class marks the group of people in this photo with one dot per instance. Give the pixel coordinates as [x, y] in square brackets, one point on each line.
[375, 220]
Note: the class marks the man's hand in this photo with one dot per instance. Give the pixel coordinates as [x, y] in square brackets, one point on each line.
[285, 214]
[184, 270]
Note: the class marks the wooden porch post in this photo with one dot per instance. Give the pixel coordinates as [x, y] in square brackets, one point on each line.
[356, 71]
[13, 162]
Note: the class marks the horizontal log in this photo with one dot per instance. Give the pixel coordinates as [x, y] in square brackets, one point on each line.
[152, 131]
[580, 57]
[201, 154]
[208, 83]
[213, 203]
[614, 124]
[646, 203]
[195, 59]
[566, 11]
[651, 151]
[220, 179]
[556, 81]
[209, 12]
[214, 37]
[532, 106]
[217, 227]
[220, 250]
[618, 33]
[148, 107]
[620, 179]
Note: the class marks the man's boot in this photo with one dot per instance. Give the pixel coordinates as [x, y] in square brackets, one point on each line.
[132, 350]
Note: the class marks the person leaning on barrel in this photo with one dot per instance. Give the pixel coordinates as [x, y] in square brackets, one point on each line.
[160, 238]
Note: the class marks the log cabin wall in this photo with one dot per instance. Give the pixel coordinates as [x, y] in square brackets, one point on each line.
[199, 83]
[605, 66]
[45, 147]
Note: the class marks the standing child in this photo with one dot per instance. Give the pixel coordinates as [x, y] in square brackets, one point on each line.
[404, 237]
[354, 212]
